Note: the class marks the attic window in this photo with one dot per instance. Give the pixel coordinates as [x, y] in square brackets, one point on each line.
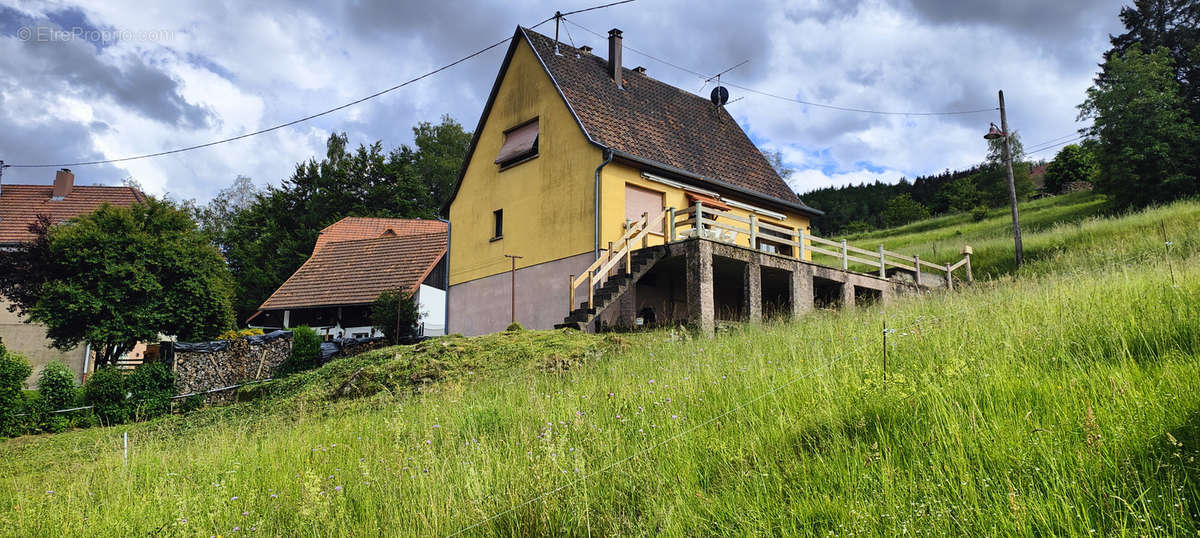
[520, 144]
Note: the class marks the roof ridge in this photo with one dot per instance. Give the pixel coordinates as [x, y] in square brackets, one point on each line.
[387, 237]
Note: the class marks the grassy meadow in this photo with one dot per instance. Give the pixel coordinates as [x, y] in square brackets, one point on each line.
[1058, 401]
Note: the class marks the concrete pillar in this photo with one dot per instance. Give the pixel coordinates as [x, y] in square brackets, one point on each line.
[701, 310]
[847, 294]
[752, 290]
[627, 307]
[802, 290]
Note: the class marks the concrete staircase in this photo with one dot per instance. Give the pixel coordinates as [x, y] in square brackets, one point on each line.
[640, 262]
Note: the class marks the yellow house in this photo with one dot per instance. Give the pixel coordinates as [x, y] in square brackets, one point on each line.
[570, 149]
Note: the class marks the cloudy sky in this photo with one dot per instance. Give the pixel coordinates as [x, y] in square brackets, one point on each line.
[104, 80]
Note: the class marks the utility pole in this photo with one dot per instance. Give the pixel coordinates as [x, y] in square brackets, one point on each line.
[993, 134]
[513, 277]
[1012, 186]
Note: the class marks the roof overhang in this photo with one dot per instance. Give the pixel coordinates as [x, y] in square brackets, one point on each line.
[691, 178]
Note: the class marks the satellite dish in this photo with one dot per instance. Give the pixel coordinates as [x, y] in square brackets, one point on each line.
[719, 96]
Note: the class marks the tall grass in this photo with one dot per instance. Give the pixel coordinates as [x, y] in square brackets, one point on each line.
[1046, 405]
[1062, 234]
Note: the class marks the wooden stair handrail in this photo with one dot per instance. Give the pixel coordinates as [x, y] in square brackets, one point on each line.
[638, 230]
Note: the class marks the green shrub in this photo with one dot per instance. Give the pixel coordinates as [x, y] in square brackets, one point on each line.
[56, 391]
[13, 372]
[108, 391]
[191, 403]
[305, 354]
[979, 212]
[57, 385]
[152, 385]
[514, 327]
[233, 334]
[396, 309]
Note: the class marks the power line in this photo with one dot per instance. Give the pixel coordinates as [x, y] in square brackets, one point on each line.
[1052, 140]
[792, 99]
[290, 123]
[1052, 146]
[590, 9]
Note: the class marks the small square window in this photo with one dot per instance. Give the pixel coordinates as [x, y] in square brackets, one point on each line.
[497, 224]
[520, 144]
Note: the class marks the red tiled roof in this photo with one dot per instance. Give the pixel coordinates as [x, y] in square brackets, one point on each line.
[20, 206]
[658, 122]
[355, 272]
[351, 228]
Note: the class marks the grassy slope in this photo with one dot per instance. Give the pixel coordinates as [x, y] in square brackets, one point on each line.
[1060, 234]
[1049, 404]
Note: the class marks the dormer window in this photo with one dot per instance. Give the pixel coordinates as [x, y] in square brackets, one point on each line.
[520, 144]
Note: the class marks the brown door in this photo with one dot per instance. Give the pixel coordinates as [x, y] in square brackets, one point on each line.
[639, 200]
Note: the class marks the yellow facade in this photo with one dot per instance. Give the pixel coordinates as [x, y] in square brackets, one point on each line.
[547, 201]
[612, 194]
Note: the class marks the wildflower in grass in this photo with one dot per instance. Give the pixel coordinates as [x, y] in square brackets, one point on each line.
[51, 492]
[651, 381]
[274, 495]
[337, 488]
[245, 513]
[235, 529]
[234, 498]
[437, 425]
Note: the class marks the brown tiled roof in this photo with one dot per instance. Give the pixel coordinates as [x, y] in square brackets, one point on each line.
[20, 206]
[356, 272]
[659, 122]
[351, 228]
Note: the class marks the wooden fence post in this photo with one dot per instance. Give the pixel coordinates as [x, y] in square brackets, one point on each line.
[882, 263]
[949, 278]
[645, 225]
[591, 290]
[845, 259]
[612, 271]
[571, 298]
[800, 243]
[967, 251]
[917, 265]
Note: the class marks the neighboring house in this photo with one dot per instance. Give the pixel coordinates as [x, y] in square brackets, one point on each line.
[1037, 175]
[571, 146]
[353, 261]
[20, 206]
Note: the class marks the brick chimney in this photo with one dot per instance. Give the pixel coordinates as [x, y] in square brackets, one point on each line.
[64, 180]
[614, 55]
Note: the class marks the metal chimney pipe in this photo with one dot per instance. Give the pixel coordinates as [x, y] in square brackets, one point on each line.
[614, 55]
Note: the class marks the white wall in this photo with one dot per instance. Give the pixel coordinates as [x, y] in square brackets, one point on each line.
[431, 303]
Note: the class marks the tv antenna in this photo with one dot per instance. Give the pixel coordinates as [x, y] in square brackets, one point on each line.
[720, 95]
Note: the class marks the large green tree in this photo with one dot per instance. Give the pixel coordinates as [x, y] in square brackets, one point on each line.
[1147, 141]
[267, 240]
[118, 276]
[903, 210]
[1173, 25]
[1072, 163]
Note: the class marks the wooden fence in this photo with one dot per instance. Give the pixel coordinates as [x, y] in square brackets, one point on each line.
[722, 226]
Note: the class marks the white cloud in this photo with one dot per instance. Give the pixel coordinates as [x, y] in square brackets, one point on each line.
[254, 65]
